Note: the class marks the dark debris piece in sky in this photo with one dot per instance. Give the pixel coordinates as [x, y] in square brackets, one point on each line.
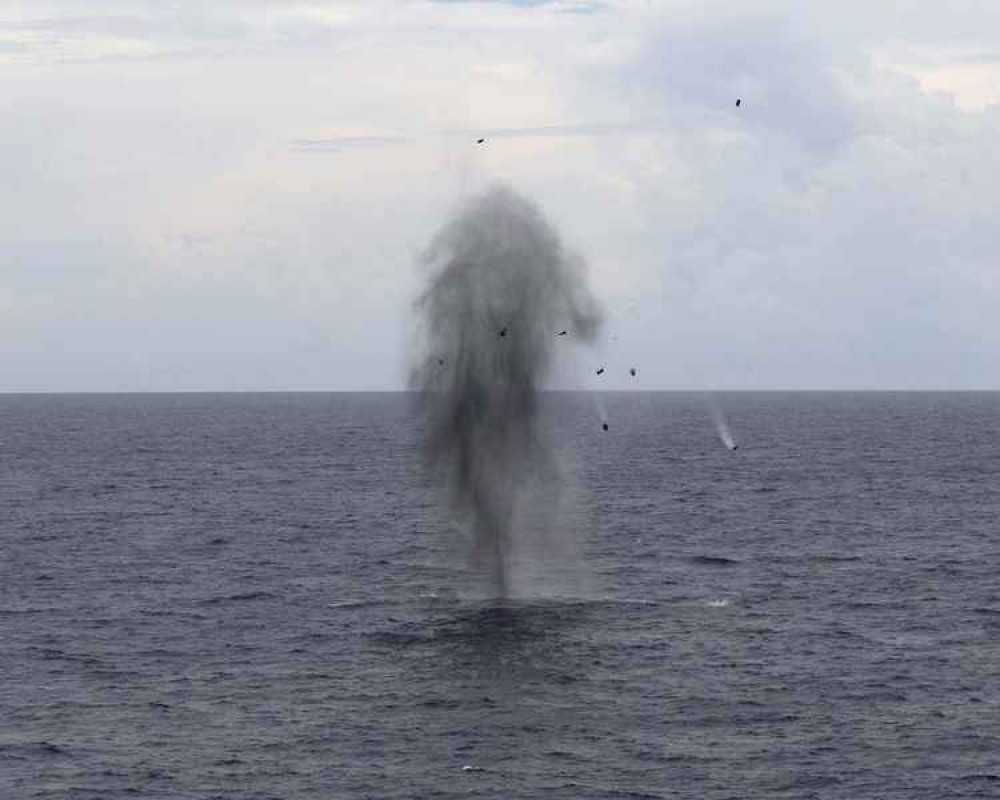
[738, 101]
[561, 333]
[600, 371]
[632, 372]
[480, 141]
[503, 332]
[604, 425]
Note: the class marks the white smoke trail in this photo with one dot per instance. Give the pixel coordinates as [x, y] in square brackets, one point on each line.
[721, 425]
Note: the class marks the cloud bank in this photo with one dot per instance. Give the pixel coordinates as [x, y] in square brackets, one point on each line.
[234, 196]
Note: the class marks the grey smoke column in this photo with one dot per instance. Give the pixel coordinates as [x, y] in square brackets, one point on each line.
[501, 285]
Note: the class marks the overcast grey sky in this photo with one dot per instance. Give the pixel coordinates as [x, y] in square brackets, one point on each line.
[232, 195]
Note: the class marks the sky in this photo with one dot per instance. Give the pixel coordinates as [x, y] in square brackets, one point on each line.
[234, 195]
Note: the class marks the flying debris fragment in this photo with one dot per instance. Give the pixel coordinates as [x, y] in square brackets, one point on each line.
[604, 425]
[738, 101]
[600, 371]
[480, 141]
[441, 362]
[561, 333]
[632, 372]
[503, 332]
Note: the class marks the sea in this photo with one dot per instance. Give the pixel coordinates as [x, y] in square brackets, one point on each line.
[257, 596]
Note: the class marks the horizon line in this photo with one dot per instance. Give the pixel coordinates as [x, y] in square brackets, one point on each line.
[16, 393]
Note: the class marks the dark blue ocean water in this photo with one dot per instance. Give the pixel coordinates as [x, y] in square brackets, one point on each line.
[246, 596]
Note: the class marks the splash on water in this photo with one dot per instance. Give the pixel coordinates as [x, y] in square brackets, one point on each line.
[721, 425]
[501, 287]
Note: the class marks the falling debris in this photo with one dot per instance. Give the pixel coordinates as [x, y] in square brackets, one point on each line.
[738, 101]
[441, 362]
[503, 332]
[632, 372]
[480, 141]
[602, 412]
[600, 371]
[561, 333]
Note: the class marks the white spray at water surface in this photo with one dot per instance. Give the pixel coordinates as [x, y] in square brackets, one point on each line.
[501, 288]
[721, 425]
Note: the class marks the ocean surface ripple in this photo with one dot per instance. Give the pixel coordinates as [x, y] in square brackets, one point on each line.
[249, 596]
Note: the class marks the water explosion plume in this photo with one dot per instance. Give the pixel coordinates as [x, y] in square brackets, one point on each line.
[501, 287]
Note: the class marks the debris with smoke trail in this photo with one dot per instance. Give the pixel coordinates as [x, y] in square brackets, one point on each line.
[721, 425]
[497, 266]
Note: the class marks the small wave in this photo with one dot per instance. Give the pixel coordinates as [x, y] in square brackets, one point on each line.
[810, 782]
[714, 561]
[718, 603]
[28, 749]
[835, 557]
[55, 654]
[160, 612]
[52, 749]
[560, 754]
[394, 639]
[12, 612]
[239, 597]
[440, 702]
[349, 604]
[858, 605]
